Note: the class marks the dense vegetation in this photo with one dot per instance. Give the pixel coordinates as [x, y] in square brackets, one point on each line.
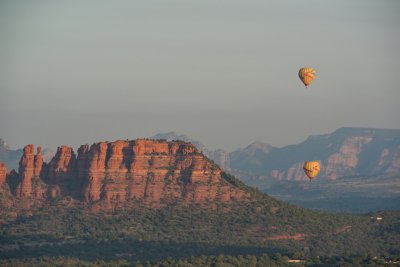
[221, 260]
[263, 226]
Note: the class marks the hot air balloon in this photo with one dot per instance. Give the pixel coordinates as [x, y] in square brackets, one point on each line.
[307, 75]
[311, 169]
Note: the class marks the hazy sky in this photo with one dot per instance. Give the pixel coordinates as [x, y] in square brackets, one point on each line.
[222, 72]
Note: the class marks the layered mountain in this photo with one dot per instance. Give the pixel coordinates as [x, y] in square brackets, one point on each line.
[343, 153]
[112, 174]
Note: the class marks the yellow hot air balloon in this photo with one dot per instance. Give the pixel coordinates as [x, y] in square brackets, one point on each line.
[311, 169]
[307, 75]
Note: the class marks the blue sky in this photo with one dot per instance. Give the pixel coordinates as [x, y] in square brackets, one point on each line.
[222, 72]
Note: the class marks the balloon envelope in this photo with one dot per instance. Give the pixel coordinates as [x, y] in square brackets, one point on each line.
[311, 169]
[307, 75]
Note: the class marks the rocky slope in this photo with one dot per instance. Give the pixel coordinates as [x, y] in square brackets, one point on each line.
[107, 175]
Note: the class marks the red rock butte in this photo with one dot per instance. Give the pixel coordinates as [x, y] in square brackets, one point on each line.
[154, 172]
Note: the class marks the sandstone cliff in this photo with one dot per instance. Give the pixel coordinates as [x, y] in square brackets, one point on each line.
[30, 167]
[3, 173]
[110, 174]
[60, 174]
[152, 171]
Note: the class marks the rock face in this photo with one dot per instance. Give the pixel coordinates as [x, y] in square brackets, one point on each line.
[61, 173]
[38, 162]
[347, 158]
[3, 173]
[153, 171]
[124, 172]
[30, 167]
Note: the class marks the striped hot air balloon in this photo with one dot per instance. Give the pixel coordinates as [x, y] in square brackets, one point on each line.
[307, 75]
[311, 169]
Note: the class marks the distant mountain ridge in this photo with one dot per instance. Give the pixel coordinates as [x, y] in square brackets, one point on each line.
[345, 152]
